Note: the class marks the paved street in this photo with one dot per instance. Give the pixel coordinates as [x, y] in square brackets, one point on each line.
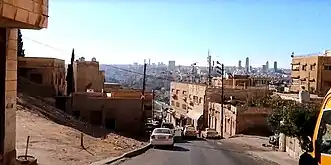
[195, 153]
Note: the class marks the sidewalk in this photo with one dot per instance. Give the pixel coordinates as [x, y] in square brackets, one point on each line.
[253, 146]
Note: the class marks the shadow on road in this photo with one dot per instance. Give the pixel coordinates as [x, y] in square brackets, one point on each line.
[175, 148]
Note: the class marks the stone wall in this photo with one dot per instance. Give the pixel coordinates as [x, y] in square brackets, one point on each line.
[10, 109]
[27, 14]
[293, 147]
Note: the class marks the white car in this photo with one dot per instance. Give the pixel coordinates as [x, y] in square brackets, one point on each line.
[162, 137]
[171, 126]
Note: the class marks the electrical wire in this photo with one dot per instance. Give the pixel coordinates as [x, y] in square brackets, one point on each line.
[111, 66]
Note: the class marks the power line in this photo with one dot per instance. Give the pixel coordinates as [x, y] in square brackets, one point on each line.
[111, 66]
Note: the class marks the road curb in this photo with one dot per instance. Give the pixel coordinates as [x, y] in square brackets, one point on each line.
[129, 154]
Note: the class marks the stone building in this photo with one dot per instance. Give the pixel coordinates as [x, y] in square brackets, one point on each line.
[40, 76]
[87, 75]
[312, 71]
[238, 119]
[187, 101]
[120, 111]
[24, 14]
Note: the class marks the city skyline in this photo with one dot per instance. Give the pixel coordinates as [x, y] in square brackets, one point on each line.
[178, 31]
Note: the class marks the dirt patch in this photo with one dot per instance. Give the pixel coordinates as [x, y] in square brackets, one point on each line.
[54, 144]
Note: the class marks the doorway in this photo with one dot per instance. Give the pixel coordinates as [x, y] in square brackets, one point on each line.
[110, 123]
[3, 40]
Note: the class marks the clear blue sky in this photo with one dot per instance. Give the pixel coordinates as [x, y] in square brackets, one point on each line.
[125, 31]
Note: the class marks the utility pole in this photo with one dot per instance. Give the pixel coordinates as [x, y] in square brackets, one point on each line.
[220, 70]
[142, 115]
[153, 100]
[222, 94]
[209, 68]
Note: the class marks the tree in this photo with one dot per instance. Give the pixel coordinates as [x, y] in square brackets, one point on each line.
[70, 75]
[298, 119]
[20, 50]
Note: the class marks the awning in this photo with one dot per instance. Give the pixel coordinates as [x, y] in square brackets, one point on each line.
[193, 115]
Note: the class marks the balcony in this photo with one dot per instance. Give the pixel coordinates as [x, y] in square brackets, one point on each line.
[24, 14]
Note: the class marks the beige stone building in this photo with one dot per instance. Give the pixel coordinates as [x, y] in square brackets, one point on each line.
[238, 119]
[120, 111]
[42, 76]
[241, 82]
[313, 72]
[24, 14]
[187, 101]
[87, 75]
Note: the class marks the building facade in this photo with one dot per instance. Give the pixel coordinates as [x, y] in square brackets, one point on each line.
[313, 72]
[187, 101]
[120, 111]
[238, 119]
[87, 75]
[42, 76]
[21, 14]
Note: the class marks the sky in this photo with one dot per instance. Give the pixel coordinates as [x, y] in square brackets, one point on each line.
[127, 31]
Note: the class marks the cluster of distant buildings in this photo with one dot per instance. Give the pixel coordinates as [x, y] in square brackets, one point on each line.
[248, 68]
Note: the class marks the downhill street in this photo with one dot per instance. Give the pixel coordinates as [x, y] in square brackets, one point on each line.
[197, 152]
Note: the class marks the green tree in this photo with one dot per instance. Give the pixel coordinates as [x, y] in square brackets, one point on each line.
[20, 50]
[298, 119]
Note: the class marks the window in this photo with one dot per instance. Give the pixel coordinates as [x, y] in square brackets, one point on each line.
[295, 67]
[36, 78]
[177, 104]
[172, 103]
[304, 67]
[172, 90]
[327, 67]
[313, 67]
[324, 133]
[200, 100]
[195, 99]
[184, 92]
[177, 91]
[184, 106]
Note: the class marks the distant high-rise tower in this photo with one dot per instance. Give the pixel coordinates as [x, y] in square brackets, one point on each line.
[275, 66]
[149, 61]
[247, 64]
[144, 61]
[267, 65]
[172, 65]
[239, 64]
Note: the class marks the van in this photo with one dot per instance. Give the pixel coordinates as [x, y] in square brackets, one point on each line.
[321, 142]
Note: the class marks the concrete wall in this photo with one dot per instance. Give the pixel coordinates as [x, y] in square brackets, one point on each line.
[11, 93]
[24, 14]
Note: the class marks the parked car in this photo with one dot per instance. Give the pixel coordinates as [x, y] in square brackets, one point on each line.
[210, 134]
[171, 126]
[190, 132]
[162, 137]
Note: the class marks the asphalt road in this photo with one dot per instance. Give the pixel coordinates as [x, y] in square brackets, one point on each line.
[197, 152]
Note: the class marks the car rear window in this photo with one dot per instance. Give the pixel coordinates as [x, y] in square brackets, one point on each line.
[162, 131]
[170, 126]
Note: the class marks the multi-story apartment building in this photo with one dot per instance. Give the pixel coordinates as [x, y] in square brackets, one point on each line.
[312, 71]
[187, 100]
